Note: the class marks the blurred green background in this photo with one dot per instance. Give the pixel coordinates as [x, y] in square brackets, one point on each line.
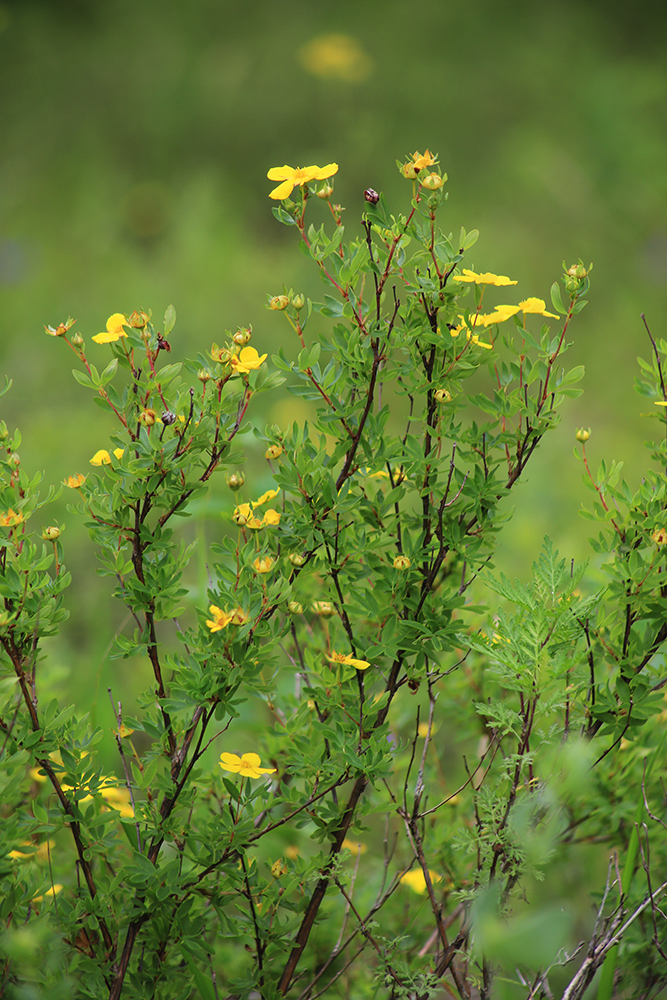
[135, 141]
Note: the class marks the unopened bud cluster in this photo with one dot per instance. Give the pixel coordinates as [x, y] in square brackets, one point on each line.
[575, 277]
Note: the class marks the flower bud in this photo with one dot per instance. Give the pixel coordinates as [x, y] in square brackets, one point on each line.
[263, 564]
[61, 329]
[408, 170]
[432, 181]
[168, 418]
[4, 433]
[204, 376]
[577, 271]
[138, 320]
[242, 336]
[147, 417]
[442, 396]
[371, 196]
[324, 191]
[402, 562]
[295, 608]
[221, 354]
[235, 481]
[279, 302]
[51, 533]
[583, 434]
[298, 301]
[659, 536]
[242, 514]
[324, 609]
[296, 559]
[77, 340]
[273, 451]
[14, 459]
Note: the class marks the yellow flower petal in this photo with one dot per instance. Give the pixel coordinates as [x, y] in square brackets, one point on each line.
[265, 497]
[101, 457]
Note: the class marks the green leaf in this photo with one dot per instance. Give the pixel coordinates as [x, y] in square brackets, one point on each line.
[169, 320]
[556, 299]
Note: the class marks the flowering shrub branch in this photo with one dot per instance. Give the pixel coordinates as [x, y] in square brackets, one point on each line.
[405, 741]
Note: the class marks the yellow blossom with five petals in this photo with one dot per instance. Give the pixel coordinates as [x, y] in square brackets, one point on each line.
[247, 360]
[247, 765]
[292, 177]
[220, 619]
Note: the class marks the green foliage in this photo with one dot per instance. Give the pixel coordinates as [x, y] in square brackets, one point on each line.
[435, 742]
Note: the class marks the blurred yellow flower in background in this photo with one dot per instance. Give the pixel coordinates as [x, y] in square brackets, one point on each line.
[336, 57]
[416, 881]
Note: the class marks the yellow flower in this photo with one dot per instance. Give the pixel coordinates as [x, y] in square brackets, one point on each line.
[292, 177]
[114, 330]
[242, 514]
[53, 891]
[10, 518]
[660, 402]
[247, 765]
[421, 160]
[273, 451]
[38, 852]
[348, 660]
[101, 457]
[354, 847]
[238, 617]
[416, 881]
[265, 497]
[271, 517]
[402, 562]
[263, 564]
[119, 799]
[74, 482]
[335, 57]
[537, 306]
[659, 536]
[484, 279]
[220, 620]
[247, 360]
